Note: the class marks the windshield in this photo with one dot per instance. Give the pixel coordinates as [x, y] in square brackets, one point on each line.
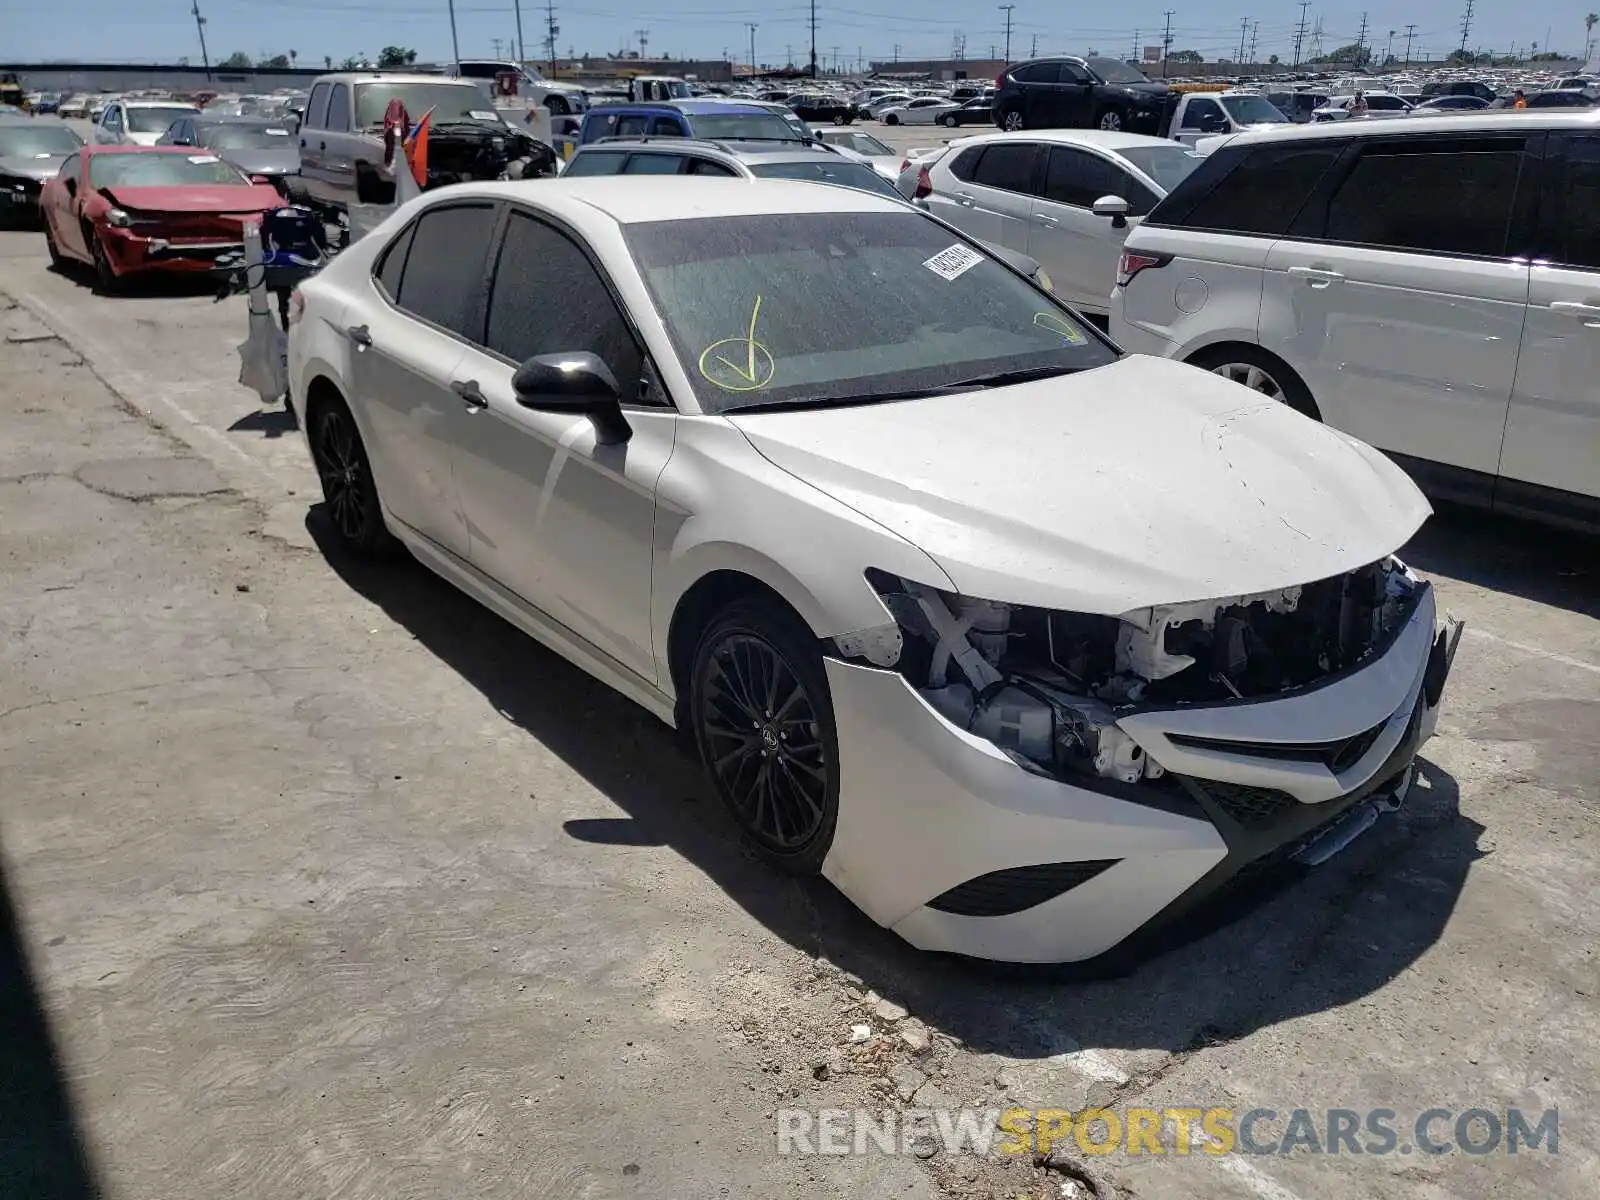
[1167, 165]
[448, 101]
[29, 141]
[1253, 110]
[159, 170]
[757, 127]
[839, 307]
[861, 143]
[828, 170]
[156, 120]
[245, 137]
[1114, 71]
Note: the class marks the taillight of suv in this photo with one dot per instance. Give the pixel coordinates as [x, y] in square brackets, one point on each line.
[999, 81]
[924, 185]
[1133, 261]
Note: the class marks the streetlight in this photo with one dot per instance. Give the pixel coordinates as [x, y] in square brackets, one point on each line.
[1007, 9]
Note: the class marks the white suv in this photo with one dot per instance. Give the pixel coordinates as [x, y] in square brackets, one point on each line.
[1431, 286]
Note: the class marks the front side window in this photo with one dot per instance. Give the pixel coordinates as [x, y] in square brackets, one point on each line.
[547, 298]
[1078, 178]
[1447, 197]
[339, 109]
[839, 308]
[1007, 166]
[112, 118]
[629, 127]
[1203, 114]
[443, 271]
[317, 107]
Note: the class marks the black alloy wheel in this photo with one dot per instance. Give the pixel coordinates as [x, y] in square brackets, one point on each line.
[347, 484]
[105, 279]
[764, 726]
[57, 262]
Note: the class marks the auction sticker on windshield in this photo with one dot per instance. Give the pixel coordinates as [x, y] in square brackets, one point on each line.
[951, 263]
[200, 160]
[478, 114]
[276, 132]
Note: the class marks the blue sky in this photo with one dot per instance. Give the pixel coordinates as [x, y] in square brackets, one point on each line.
[109, 30]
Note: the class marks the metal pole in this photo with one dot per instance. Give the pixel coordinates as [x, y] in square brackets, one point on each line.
[200, 24]
[522, 54]
[1007, 9]
[813, 39]
[752, 28]
[455, 43]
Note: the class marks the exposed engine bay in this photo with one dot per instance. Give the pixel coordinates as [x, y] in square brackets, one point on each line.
[468, 151]
[1048, 687]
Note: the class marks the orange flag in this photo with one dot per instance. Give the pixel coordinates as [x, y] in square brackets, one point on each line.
[417, 150]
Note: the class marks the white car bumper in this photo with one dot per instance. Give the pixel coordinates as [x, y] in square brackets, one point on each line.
[946, 840]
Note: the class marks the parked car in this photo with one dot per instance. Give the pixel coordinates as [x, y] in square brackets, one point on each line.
[694, 118]
[1560, 98]
[1441, 104]
[1067, 197]
[1458, 87]
[30, 154]
[810, 476]
[266, 149]
[1376, 275]
[1379, 105]
[127, 210]
[978, 110]
[747, 160]
[924, 110]
[73, 106]
[342, 153]
[810, 106]
[138, 122]
[875, 108]
[1206, 114]
[882, 158]
[1079, 93]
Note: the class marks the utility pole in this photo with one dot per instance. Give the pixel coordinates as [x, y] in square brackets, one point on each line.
[522, 54]
[644, 39]
[1007, 9]
[1466, 26]
[751, 26]
[897, 53]
[200, 24]
[455, 42]
[1166, 41]
[1388, 51]
[1411, 33]
[1244, 29]
[836, 60]
[1255, 29]
[813, 39]
[1316, 42]
[1361, 39]
[551, 29]
[495, 42]
[1034, 53]
[1133, 55]
[1300, 32]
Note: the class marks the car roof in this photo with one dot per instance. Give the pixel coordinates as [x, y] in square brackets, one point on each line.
[390, 77]
[206, 118]
[121, 149]
[1101, 139]
[1503, 120]
[621, 200]
[741, 149]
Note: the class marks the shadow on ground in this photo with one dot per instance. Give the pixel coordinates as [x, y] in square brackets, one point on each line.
[1334, 936]
[1548, 566]
[42, 1153]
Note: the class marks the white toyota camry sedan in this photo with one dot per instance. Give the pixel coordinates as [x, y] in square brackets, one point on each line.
[1028, 645]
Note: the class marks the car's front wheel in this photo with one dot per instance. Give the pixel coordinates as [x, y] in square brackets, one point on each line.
[57, 262]
[1112, 119]
[106, 280]
[763, 722]
[348, 487]
[891, 119]
[1012, 121]
[948, 122]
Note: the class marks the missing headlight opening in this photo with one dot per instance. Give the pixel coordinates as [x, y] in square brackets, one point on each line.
[1048, 687]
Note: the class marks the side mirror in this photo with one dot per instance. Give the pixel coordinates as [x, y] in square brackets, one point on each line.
[261, 179]
[575, 382]
[1114, 207]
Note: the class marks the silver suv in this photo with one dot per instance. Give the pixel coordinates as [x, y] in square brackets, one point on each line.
[341, 136]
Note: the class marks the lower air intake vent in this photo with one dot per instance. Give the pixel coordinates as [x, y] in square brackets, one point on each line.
[1002, 893]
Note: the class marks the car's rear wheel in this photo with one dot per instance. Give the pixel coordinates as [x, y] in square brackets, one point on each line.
[1112, 119]
[948, 122]
[1260, 372]
[763, 723]
[348, 487]
[1012, 121]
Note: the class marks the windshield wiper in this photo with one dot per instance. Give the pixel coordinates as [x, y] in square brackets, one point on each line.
[998, 379]
[1006, 378]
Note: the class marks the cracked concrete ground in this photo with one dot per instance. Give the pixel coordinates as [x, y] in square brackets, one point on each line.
[325, 882]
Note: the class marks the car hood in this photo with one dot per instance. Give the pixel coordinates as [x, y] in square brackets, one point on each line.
[266, 162]
[196, 198]
[30, 166]
[1141, 483]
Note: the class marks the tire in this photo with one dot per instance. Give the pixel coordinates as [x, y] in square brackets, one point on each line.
[779, 778]
[948, 122]
[558, 106]
[371, 188]
[1012, 120]
[891, 119]
[1260, 372]
[57, 262]
[106, 282]
[348, 488]
[1112, 119]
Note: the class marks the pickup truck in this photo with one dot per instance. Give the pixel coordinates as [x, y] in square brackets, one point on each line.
[342, 144]
[1208, 114]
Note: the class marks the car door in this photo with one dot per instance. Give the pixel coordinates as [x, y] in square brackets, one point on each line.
[406, 344]
[338, 170]
[560, 520]
[1553, 429]
[110, 130]
[1396, 297]
[1079, 250]
[1074, 97]
[995, 203]
[314, 141]
[64, 215]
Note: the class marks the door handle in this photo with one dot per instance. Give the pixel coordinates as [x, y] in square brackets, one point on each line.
[360, 335]
[1589, 314]
[1046, 219]
[471, 395]
[1317, 277]
[322, 145]
[963, 199]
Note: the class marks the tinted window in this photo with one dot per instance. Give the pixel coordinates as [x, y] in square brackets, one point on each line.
[1200, 112]
[548, 299]
[654, 164]
[1073, 73]
[665, 127]
[1577, 219]
[1046, 72]
[1008, 166]
[393, 263]
[339, 108]
[595, 162]
[629, 127]
[317, 107]
[704, 166]
[1382, 103]
[1444, 196]
[963, 164]
[823, 170]
[444, 269]
[1248, 191]
[1078, 178]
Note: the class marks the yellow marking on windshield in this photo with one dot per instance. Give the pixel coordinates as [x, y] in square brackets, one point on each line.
[759, 366]
[1056, 323]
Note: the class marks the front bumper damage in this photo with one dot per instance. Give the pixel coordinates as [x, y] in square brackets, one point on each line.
[956, 846]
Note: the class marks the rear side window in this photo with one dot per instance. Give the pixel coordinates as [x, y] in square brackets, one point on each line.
[595, 162]
[393, 263]
[1045, 72]
[339, 108]
[654, 164]
[964, 164]
[317, 107]
[665, 127]
[443, 273]
[1007, 166]
[1199, 112]
[704, 166]
[1439, 196]
[1575, 223]
[1248, 191]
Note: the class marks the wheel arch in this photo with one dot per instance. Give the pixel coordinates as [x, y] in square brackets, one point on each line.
[1214, 353]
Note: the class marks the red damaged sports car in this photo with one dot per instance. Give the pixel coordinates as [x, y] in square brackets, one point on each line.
[127, 209]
